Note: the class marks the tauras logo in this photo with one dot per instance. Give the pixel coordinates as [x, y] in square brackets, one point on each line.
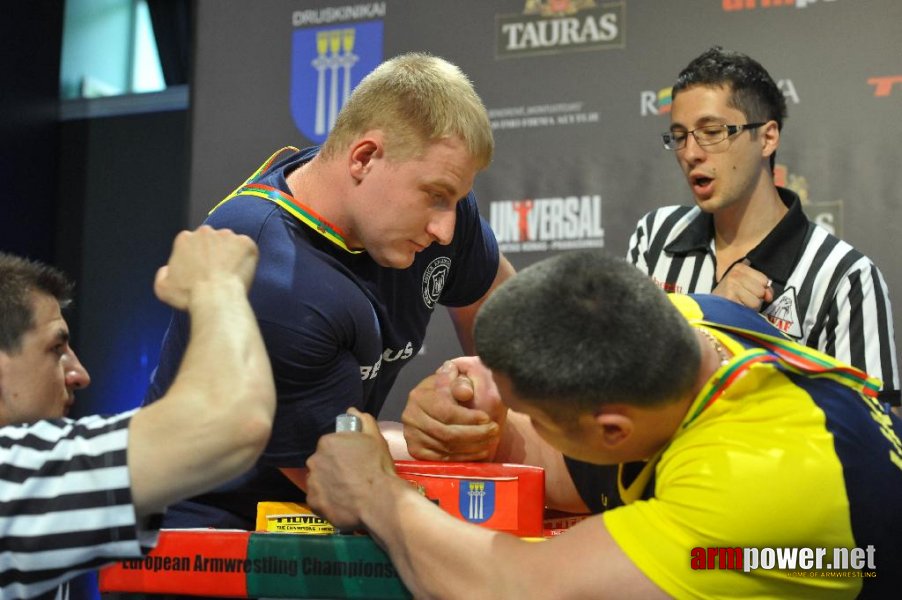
[548, 223]
[560, 26]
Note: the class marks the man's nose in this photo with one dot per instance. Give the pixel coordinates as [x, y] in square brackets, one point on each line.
[692, 152]
[441, 227]
[77, 376]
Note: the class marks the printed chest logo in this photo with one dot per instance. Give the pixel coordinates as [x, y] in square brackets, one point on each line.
[388, 355]
[784, 315]
[476, 500]
[434, 278]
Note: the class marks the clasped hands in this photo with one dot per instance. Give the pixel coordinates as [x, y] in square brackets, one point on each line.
[455, 414]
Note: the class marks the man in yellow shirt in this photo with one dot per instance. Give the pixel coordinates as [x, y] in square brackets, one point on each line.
[749, 444]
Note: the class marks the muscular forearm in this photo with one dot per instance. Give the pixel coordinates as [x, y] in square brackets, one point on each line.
[437, 555]
[226, 359]
[216, 417]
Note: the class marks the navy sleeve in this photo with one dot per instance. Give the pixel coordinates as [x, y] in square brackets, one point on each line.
[317, 377]
[174, 342]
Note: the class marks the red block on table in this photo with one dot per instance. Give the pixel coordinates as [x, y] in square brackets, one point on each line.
[206, 562]
[503, 497]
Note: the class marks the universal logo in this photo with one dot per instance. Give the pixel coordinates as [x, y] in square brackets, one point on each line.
[554, 26]
[547, 224]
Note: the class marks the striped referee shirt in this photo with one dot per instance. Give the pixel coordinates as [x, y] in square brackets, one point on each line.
[65, 503]
[827, 294]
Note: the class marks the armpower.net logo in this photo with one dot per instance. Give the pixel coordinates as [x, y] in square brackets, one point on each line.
[803, 562]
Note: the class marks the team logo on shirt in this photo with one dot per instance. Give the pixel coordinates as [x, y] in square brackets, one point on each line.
[328, 62]
[476, 500]
[784, 315]
[434, 280]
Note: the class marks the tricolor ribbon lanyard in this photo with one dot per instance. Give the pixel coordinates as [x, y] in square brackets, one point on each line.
[300, 211]
[786, 355]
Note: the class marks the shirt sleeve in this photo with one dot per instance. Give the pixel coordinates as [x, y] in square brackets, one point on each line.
[858, 327]
[317, 375]
[638, 244]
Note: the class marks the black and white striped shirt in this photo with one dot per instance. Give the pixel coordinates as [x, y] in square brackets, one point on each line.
[65, 503]
[827, 294]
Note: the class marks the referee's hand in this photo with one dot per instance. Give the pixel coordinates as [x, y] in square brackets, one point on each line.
[746, 286]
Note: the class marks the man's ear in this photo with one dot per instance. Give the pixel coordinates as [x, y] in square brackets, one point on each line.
[616, 427]
[362, 155]
[770, 137]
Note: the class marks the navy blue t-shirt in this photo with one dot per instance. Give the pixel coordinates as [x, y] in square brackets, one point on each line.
[337, 326]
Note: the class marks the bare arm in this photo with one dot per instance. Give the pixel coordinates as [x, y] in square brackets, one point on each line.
[216, 418]
[439, 556]
[463, 317]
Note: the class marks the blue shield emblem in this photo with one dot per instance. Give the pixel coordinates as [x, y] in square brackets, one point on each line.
[476, 500]
[326, 65]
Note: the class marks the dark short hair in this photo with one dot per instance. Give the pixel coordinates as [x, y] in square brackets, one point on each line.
[753, 90]
[19, 278]
[583, 329]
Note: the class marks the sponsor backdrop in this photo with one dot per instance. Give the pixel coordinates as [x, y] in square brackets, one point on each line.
[578, 92]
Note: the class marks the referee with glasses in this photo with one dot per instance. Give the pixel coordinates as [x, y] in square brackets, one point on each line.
[747, 239]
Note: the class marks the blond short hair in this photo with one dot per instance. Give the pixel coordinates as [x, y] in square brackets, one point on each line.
[415, 99]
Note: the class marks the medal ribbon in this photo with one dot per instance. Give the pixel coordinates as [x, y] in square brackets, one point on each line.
[298, 210]
[789, 356]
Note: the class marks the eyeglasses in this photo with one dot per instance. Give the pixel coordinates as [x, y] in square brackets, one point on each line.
[705, 136]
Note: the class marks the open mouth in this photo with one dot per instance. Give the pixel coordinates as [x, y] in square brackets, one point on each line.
[702, 185]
